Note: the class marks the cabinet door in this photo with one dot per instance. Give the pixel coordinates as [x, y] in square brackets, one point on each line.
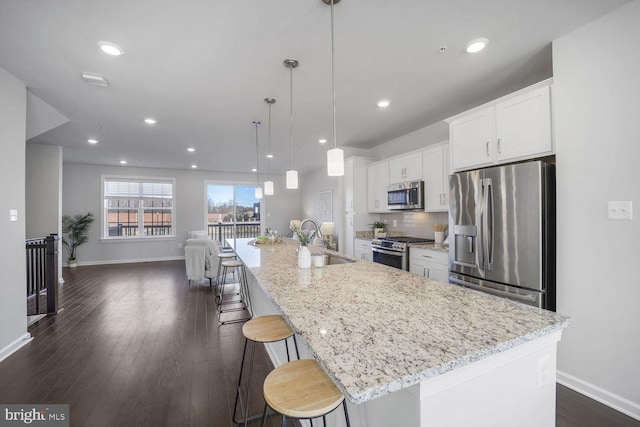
[437, 272]
[417, 266]
[523, 125]
[433, 177]
[377, 182]
[348, 185]
[405, 168]
[472, 138]
[446, 171]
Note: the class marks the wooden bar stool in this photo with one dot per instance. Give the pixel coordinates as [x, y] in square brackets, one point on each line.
[301, 389]
[263, 329]
[243, 292]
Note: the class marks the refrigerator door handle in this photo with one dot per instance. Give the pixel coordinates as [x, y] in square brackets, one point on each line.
[487, 223]
[529, 298]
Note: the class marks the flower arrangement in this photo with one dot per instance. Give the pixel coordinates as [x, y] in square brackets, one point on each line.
[304, 236]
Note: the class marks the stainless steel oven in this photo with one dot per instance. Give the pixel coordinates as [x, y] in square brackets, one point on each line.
[394, 251]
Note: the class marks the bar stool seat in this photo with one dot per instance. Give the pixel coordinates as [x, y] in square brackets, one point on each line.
[263, 329]
[301, 389]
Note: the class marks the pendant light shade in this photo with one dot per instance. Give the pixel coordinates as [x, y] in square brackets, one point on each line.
[258, 191]
[335, 156]
[268, 185]
[292, 174]
[268, 188]
[292, 179]
[335, 162]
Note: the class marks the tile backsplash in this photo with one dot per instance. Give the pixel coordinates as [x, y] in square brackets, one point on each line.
[415, 224]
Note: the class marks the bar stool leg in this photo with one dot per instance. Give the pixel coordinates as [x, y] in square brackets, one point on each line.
[346, 413]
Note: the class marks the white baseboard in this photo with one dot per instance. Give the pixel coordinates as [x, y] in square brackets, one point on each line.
[129, 261]
[15, 346]
[601, 395]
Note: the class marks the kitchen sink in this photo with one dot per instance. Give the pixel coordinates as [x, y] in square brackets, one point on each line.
[333, 260]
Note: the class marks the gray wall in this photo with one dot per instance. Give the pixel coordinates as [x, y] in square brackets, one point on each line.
[597, 102]
[81, 193]
[311, 184]
[13, 304]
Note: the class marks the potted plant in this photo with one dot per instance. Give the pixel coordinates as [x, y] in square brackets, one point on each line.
[75, 230]
[379, 228]
[305, 237]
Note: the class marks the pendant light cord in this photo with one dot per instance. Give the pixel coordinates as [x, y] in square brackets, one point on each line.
[333, 80]
[256, 124]
[291, 115]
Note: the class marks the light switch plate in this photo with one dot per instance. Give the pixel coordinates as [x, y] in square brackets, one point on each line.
[620, 210]
[13, 215]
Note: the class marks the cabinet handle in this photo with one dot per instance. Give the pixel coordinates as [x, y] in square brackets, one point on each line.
[488, 148]
[440, 195]
[424, 272]
[429, 273]
[499, 148]
[427, 256]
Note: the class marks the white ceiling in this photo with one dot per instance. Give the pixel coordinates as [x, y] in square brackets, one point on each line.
[203, 67]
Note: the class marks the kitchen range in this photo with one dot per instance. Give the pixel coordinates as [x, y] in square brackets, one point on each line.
[394, 251]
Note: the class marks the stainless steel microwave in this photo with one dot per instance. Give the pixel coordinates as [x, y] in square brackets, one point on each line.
[406, 195]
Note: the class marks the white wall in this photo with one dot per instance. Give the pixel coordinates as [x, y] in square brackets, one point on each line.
[81, 193]
[416, 140]
[597, 102]
[311, 184]
[13, 303]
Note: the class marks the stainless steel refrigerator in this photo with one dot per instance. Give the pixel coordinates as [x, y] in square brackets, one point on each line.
[502, 232]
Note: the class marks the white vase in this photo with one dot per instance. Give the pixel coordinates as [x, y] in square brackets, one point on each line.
[304, 257]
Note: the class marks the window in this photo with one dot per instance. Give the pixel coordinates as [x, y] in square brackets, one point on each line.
[232, 211]
[138, 208]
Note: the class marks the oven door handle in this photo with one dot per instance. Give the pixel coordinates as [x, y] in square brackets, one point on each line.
[383, 251]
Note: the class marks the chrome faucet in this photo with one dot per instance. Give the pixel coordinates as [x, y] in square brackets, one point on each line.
[318, 232]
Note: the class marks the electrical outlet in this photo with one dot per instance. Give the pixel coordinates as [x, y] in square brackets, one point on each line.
[13, 215]
[544, 370]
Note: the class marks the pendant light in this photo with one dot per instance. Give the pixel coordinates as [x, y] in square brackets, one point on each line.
[268, 185]
[258, 192]
[292, 175]
[335, 156]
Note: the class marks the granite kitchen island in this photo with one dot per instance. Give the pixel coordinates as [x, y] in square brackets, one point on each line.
[408, 351]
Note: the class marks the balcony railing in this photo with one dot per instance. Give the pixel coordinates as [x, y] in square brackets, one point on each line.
[123, 230]
[227, 230]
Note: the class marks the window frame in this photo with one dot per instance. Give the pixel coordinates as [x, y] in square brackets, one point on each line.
[208, 182]
[104, 232]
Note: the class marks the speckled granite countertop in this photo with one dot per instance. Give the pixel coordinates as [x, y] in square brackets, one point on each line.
[431, 246]
[377, 329]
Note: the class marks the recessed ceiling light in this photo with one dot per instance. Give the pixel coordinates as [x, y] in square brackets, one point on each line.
[191, 149]
[269, 156]
[150, 121]
[123, 162]
[384, 103]
[476, 45]
[92, 141]
[194, 166]
[254, 170]
[111, 48]
[322, 141]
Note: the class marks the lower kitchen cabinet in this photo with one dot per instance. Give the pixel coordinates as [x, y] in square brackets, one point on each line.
[429, 263]
[362, 249]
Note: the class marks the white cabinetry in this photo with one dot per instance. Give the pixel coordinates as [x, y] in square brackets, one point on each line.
[435, 160]
[377, 182]
[356, 217]
[429, 263]
[362, 250]
[405, 168]
[514, 127]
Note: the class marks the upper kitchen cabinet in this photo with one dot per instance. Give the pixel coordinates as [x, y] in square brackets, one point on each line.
[405, 168]
[355, 184]
[377, 183]
[514, 127]
[437, 168]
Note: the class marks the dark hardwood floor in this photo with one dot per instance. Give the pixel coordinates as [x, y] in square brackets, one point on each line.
[138, 345]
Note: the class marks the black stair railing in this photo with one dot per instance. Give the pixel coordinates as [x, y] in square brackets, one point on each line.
[42, 272]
